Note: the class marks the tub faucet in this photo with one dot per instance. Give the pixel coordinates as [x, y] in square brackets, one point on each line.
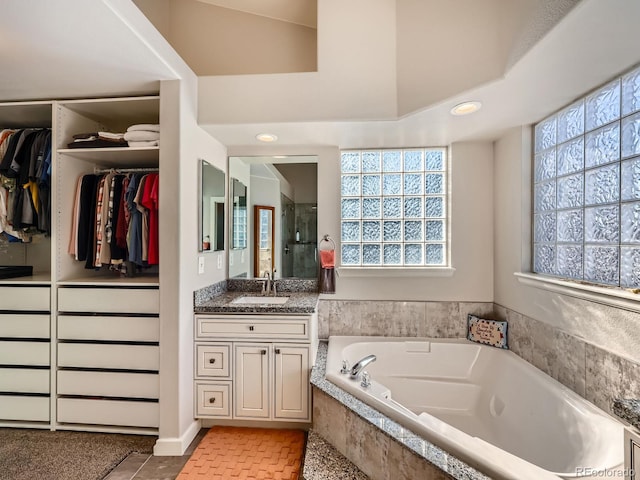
[359, 366]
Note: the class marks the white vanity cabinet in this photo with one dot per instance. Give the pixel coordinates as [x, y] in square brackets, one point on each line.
[259, 371]
[631, 454]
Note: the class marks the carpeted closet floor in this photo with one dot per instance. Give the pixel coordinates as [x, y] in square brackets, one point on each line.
[62, 455]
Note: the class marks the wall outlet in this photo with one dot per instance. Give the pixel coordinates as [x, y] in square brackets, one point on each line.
[219, 262]
[200, 265]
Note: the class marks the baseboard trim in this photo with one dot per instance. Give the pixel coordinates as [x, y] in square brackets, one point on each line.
[176, 446]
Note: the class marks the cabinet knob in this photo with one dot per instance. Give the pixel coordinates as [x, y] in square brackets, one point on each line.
[212, 360]
[212, 400]
[251, 328]
[263, 352]
[277, 351]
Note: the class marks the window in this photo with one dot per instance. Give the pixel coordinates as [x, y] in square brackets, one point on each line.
[586, 215]
[393, 208]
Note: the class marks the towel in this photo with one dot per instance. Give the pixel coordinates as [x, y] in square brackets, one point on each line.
[327, 258]
[147, 127]
[111, 136]
[327, 275]
[142, 144]
[141, 136]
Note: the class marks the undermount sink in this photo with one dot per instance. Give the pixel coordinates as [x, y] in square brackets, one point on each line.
[262, 300]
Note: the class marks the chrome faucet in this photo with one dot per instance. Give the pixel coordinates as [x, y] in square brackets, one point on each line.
[359, 366]
[266, 285]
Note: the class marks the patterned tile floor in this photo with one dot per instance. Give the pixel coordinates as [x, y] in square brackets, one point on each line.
[322, 462]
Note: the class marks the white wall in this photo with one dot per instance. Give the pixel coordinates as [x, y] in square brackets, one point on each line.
[179, 278]
[613, 329]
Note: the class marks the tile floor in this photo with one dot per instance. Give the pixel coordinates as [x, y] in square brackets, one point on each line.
[322, 462]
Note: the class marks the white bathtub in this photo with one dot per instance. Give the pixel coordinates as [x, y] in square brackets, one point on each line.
[486, 406]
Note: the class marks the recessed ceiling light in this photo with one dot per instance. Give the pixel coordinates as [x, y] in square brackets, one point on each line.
[279, 156]
[466, 108]
[267, 137]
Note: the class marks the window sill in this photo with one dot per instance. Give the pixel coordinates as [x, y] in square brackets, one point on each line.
[614, 297]
[396, 272]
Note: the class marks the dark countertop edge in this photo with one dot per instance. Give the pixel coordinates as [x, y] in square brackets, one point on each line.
[434, 454]
[628, 409]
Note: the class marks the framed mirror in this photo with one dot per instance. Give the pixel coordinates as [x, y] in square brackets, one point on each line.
[288, 184]
[239, 224]
[263, 240]
[212, 208]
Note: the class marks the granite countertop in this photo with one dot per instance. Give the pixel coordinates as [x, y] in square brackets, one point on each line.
[628, 409]
[430, 452]
[299, 302]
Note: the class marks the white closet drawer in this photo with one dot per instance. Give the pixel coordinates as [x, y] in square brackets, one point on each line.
[129, 357]
[212, 399]
[108, 412]
[18, 325]
[25, 298]
[24, 380]
[109, 300]
[26, 409]
[277, 328]
[213, 360]
[130, 329]
[24, 353]
[108, 384]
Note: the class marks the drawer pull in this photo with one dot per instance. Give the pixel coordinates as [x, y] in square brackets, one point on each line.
[251, 328]
[212, 360]
[277, 351]
[263, 352]
[212, 400]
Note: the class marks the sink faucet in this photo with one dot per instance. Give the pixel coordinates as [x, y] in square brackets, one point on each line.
[359, 366]
[266, 285]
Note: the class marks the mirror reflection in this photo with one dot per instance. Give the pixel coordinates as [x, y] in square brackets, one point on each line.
[239, 215]
[288, 186]
[212, 208]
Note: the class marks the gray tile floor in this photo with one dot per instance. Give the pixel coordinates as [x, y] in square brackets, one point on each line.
[322, 462]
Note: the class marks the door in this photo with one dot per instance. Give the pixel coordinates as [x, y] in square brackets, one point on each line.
[251, 387]
[291, 382]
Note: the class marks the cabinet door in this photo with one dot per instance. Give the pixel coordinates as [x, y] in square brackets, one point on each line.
[251, 385]
[291, 382]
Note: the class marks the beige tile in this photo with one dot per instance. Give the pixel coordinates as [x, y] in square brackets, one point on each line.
[329, 420]
[519, 334]
[344, 317]
[604, 377]
[444, 320]
[389, 318]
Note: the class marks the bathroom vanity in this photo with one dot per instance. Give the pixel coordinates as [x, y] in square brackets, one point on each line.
[253, 356]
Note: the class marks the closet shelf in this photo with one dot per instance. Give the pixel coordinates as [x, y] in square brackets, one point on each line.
[115, 156]
[107, 281]
[42, 278]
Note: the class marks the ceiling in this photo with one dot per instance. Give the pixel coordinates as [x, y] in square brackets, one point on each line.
[80, 49]
[300, 12]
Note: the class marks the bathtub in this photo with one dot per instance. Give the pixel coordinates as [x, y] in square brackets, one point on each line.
[485, 406]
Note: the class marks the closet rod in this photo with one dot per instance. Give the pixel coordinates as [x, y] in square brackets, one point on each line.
[124, 170]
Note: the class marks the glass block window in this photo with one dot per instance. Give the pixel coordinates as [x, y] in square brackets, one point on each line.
[586, 191]
[393, 207]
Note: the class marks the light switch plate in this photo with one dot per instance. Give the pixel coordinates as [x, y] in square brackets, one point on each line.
[200, 265]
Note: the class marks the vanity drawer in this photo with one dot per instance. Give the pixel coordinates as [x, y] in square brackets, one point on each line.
[122, 357]
[25, 298]
[130, 329]
[24, 380]
[24, 353]
[26, 409]
[108, 412]
[108, 384]
[252, 327]
[18, 325]
[212, 399]
[213, 360]
[109, 300]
